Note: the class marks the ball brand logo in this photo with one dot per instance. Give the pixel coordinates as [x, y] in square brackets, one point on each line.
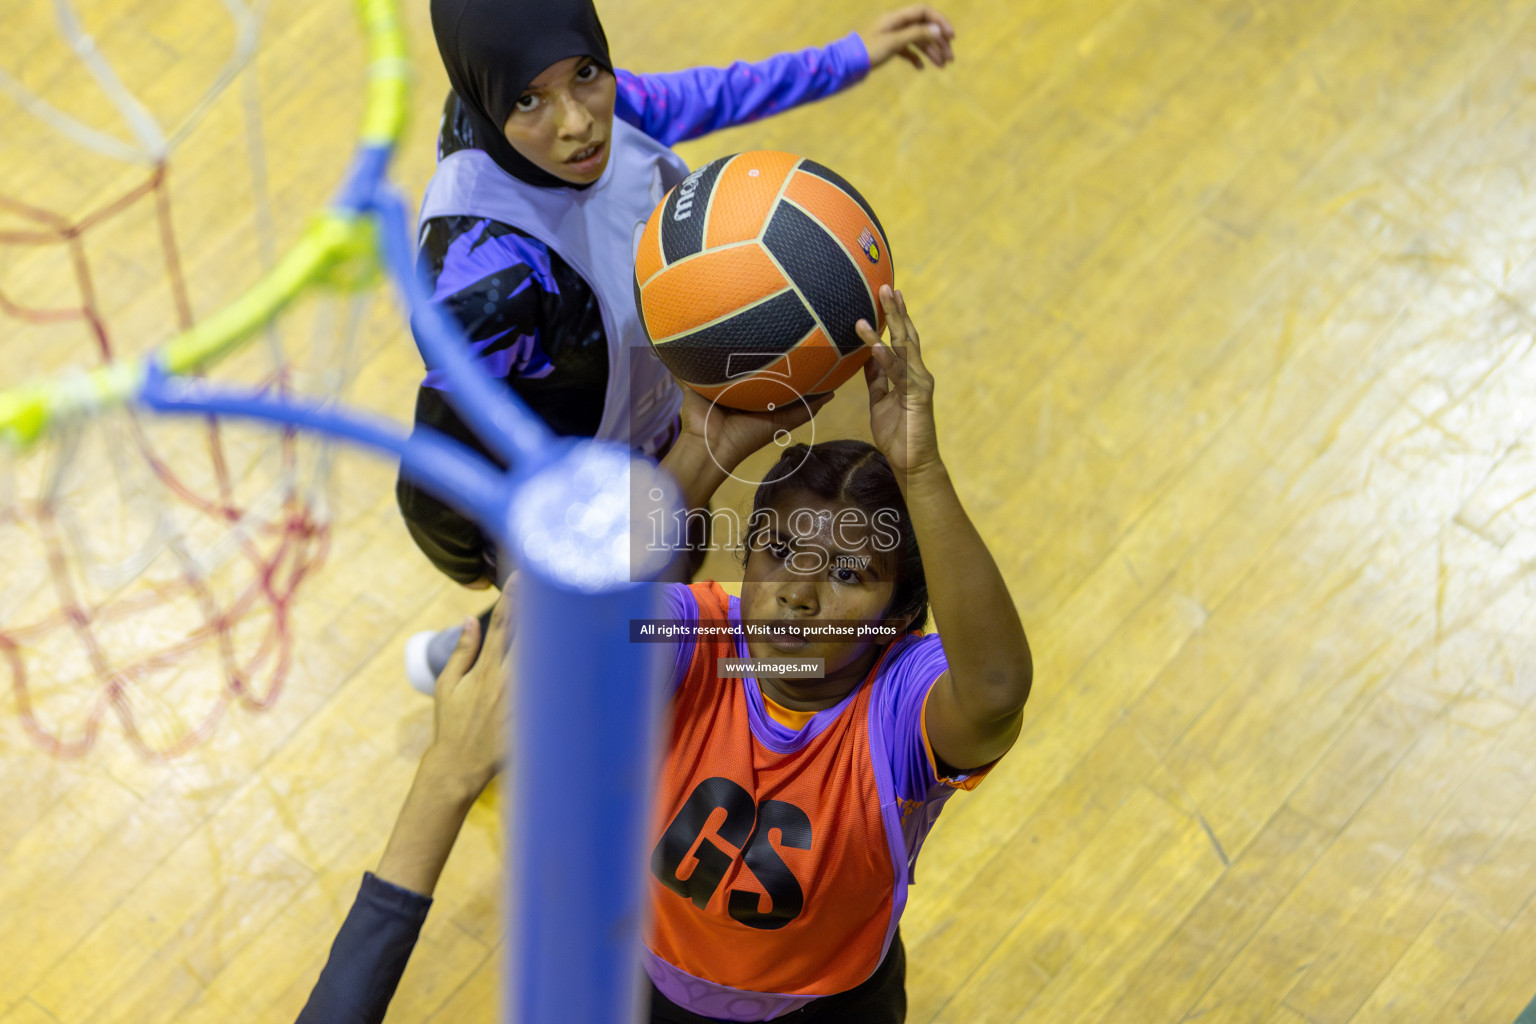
[685, 191]
[869, 245]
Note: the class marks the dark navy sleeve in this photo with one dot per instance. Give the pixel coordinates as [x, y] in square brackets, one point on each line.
[680, 105]
[368, 956]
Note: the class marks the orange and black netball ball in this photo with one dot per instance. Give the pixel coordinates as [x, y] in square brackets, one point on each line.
[751, 275]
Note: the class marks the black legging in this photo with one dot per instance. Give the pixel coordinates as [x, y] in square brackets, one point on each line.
[881, 999]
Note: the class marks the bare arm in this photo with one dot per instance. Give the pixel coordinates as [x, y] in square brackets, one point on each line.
[977, 707]
[370, 953]
[715, 439]
[466, 750]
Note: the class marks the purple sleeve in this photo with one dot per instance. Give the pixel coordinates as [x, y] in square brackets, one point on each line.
[921, 792]
[680, 105]
[909, 675]
[679, 605]
[491, 280]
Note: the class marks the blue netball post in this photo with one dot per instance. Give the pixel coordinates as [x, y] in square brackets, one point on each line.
[583, 733]
[585, 736]
[582, 748]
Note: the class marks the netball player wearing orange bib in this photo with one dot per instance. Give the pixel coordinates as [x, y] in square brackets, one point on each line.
[790, 811]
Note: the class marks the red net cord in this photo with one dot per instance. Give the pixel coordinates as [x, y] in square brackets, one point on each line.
[271, 559]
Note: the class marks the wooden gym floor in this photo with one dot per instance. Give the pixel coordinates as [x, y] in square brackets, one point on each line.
[1230, 307]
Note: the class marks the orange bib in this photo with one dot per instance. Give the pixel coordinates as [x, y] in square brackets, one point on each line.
[772, 865]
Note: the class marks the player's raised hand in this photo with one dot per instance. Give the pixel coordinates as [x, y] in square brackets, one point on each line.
[912, 33]
[730, 435]
[900, 390]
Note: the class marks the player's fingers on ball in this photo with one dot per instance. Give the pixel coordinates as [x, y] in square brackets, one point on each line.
[895, 320]
[906, 318]
[895, 365]
[878, 380]
[914, 349]
[879, 386]
[882, 357]
[866, 333]
[905, 356]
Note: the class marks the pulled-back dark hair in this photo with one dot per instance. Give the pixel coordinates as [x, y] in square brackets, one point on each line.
[852, 473]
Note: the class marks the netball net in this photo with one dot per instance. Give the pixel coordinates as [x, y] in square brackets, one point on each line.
[151, 563]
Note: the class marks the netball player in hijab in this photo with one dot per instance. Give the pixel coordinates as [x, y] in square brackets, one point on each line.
[550, 159]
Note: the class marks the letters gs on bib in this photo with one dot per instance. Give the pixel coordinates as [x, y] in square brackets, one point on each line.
[745, 827]
[751, 274]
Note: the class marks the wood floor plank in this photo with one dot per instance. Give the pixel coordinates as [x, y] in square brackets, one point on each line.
[1498, 986]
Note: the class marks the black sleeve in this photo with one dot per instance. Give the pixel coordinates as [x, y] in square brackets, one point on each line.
[451, 540]
[497, 305]
[531, 321]
[368, 956]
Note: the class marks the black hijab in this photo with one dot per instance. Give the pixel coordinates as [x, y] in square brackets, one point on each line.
[494, 48]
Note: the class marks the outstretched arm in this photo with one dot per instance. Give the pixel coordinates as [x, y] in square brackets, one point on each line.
[376, 940]
[675, 106]
[976, 708]
[469, 735]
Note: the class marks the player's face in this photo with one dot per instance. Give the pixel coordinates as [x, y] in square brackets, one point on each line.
[563, 122]
[819, 561]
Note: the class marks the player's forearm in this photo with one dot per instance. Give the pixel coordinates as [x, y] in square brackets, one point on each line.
[989, 659]
[675, 106]
[696, 471]
[429, 823]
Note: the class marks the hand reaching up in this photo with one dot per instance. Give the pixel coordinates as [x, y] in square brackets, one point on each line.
[469, 731]
[900, 391]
